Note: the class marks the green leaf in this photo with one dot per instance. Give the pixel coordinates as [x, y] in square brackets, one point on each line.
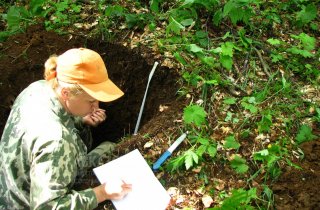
[187, 22]
[228, 117]
[154, 6]
[231, 143]
[226, 61]
[245, 41]
[305, 134]
[308, 42]
[115, 10]
[230, 101]
[216, 50]
[239, 164]
[227, 49]
[13, 17]
[217, 17]
[175, 163]
[203, 141]
[274, 41]
[297, 51]
[293, 165]
[174, 26]
[194, 114]
[212, 150]
[194, 48]
[265, 123]
[230, 5]
[190, 158]
[180, 58]
[240, 198]
[188, 2]
[307, 14]
[201, 150]
[276, 58]
[36, 6]
[252, 108]
[208, 60]
[261, 155]
[236, 15]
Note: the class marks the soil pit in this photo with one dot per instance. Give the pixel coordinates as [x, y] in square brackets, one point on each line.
[22, 60]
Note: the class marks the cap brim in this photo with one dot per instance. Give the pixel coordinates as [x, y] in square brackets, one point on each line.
[105, 91]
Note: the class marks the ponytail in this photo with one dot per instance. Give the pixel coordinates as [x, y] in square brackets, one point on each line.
[50, 72]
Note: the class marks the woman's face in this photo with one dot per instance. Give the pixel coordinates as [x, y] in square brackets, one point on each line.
[81, 104]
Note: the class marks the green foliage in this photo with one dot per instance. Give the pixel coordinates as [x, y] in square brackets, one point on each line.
[206, 146]
[194, 114]
[304, 47]
[231, 143]
[230, 101]
[239, 164]
[249, 103]
[306, 15]
[137, 20]
[174, 26]
[304, 134]
[18, 18]
[265, 122]
[267, 195]
[188, 159]
[270, 157]
[240, 199]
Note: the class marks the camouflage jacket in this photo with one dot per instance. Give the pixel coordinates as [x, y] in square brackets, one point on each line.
[41, 154]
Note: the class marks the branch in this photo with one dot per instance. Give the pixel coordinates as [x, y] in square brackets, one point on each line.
[265, 66]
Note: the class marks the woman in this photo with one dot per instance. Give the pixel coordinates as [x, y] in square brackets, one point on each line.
[44, 144]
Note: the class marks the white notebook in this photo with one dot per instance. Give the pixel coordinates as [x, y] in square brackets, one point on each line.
[147, 192]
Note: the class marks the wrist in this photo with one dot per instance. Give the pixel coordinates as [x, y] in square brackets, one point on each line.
[100, 193]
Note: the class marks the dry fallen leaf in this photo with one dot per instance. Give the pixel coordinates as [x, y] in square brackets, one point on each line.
[148, 144]
[219, 184]
[207, 201]
[226, 130]
[162, 108]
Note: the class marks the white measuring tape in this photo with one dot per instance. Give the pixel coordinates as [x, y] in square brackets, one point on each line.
[144, 98]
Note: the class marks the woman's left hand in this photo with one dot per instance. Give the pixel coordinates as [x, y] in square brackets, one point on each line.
[95, 118]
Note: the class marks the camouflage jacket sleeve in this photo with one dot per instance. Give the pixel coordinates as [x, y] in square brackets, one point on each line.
[52, 174]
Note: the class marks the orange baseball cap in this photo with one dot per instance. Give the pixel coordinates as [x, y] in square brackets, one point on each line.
[86, 68]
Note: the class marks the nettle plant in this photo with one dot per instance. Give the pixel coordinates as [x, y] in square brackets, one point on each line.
[201, 144]
[299, 56]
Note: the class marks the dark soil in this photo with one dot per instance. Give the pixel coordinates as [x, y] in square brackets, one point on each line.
[21, 62]
[298, 189]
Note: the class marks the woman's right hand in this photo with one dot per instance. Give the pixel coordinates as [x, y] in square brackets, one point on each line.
[112, 190]
[116, 189]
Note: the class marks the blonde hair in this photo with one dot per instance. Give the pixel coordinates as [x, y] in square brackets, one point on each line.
[50, 73]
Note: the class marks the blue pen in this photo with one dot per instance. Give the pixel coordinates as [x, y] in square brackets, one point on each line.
[169, 151]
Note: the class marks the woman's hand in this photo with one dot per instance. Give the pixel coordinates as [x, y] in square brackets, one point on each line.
[112, 190]
[116, 189]
[95, 118]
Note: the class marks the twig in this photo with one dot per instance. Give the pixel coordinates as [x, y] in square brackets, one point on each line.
[265, 66]
[245, 64]
[234, 85]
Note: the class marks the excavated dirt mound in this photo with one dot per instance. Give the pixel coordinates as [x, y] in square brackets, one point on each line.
[21, 62]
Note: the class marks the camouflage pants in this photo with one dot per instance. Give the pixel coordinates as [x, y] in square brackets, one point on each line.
[101, 153]
[98, 155]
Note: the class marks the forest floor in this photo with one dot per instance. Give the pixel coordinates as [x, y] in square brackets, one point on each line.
[21, 62]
